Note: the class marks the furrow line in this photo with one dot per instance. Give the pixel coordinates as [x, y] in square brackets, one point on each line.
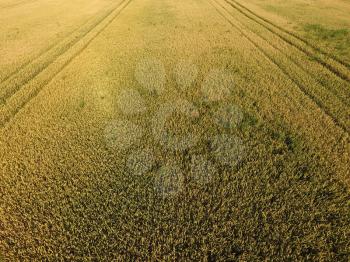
[340, 70]
[314, 99]
[32, 69]
[32, 89]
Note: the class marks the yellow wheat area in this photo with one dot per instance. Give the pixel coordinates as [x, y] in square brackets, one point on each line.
[145, 130]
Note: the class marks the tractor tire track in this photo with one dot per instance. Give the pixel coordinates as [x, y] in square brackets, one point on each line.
[306, 42]
[342, 95]
[53, 45]
[20, 3]
[30, 90]
[338, 92]
[339, 69]
[29, 71]
[314, 99]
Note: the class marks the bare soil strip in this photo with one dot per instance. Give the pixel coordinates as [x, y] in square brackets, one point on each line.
[17, 99]
[330, 104]
[30, 70]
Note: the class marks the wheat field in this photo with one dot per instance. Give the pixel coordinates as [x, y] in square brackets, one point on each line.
[148, 130]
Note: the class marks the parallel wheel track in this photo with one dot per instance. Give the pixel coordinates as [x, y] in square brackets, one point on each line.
[19, 99]
[30, 70]
[51, 47]
[343, 94]
[332, 94]
[16, 4]
[342, 66]
[319, 103]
